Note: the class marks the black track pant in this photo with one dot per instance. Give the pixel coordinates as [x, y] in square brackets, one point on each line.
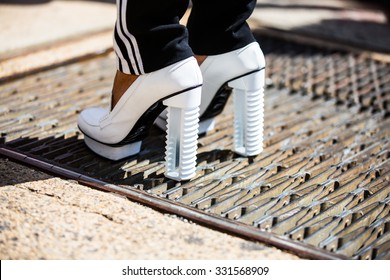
[148, 35]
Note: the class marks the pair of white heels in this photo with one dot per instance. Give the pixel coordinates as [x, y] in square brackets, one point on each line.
[119, 133]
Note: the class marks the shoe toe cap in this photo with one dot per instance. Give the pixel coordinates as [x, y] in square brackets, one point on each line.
[89, 119]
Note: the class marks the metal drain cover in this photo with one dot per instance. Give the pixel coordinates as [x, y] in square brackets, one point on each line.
[322, 180]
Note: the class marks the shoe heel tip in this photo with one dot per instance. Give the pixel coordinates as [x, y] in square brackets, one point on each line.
[177, 177]
[242, 152]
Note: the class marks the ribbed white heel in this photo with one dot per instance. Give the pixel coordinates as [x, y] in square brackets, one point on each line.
[182, 134]
[248, 102]
[219, 73]
[204, 126]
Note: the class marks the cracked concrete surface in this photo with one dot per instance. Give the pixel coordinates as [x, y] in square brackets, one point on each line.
[26, 26]
[44, 217]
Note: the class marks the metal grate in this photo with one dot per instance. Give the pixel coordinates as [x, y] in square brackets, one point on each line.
[323, 178]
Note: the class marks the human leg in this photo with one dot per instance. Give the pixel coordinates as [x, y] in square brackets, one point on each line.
[232, 62]
[219, 26]
[147, 37]
[156, 64]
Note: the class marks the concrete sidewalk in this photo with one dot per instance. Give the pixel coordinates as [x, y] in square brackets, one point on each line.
[28, 27]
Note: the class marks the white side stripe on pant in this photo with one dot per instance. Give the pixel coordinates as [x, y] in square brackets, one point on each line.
[136, 53]
[123, 61]
[134, 57]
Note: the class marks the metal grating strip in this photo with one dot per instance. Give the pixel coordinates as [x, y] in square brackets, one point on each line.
[322, 180]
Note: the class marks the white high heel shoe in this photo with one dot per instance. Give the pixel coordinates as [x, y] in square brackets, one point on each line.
[241, 72]
[119, 133]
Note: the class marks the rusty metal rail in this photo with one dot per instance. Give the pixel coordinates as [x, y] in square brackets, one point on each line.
[322, 181]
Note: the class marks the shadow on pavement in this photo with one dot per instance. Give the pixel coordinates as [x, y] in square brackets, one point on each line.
[359, 23]
[369, 35]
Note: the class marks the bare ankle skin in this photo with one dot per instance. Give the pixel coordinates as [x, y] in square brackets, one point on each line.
[122, 82]
[200, 59]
